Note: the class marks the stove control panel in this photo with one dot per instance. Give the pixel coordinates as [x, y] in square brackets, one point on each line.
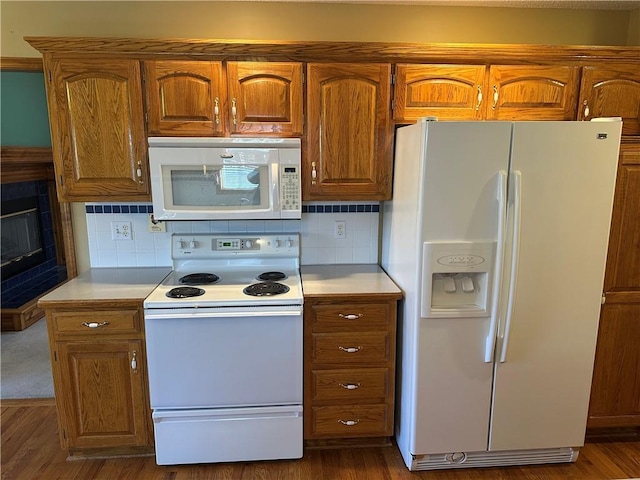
[204, 245]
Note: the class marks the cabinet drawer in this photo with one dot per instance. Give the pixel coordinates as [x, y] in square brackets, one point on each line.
[350, 349]
[364, 385]
[92, 323]
[350, 317]
[352, 421]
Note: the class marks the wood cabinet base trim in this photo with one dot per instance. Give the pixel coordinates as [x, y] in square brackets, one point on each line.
[614, 421]
[115, 452]
[348, 442]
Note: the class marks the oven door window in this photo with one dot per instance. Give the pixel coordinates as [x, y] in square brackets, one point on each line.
[230, 187]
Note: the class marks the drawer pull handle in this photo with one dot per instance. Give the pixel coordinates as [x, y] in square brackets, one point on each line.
[349, 386]
[350, 349]
[349, 423]
[351, 316]
[95, 324]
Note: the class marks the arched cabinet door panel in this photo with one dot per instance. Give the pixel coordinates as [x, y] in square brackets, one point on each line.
[612, 92]
[348, 148]
[442, 91]
[185, 98]
[265, 98]
[98, 134]
[538, 92]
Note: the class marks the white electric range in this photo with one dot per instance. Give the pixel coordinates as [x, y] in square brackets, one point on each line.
[224, 349]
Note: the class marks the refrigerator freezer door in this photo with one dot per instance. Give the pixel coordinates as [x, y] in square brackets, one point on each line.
[459, 203]
[541, 390]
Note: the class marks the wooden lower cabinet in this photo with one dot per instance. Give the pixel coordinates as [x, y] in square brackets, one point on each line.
[349, 370]
[100, 381]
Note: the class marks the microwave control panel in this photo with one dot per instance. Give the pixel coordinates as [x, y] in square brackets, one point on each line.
[290, 187]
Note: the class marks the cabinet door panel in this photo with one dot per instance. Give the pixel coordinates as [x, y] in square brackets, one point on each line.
[98, 129]
[615, 391]
[265, 98]
[612, 92]
[532, 92]
[348, 154]
[102, 393]
[444, 91]
[185, 98]
[623, 260]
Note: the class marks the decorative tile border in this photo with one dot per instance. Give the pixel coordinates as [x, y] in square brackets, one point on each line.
[128, 208]
[358, 208]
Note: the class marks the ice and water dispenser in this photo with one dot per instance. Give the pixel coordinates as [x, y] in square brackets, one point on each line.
[456, 279]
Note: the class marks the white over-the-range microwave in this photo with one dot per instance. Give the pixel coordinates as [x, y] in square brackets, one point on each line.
[200, 178]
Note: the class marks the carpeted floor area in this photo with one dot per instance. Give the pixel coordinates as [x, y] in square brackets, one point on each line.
[25, 369]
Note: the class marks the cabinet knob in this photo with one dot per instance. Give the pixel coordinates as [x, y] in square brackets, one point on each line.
[314, 174]
[216, 110]
[495, 97]
[351, 316]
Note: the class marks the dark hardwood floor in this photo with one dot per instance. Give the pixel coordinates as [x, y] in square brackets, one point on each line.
[30, 451]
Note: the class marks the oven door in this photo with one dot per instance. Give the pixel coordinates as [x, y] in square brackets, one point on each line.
[224, 357]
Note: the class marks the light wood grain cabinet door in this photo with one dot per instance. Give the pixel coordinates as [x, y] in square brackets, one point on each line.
[612, 92]
[265, 98]
[442, 91]
[185, 98]
[102, 393]
[98, 133]
[348, 148]
[517, 92]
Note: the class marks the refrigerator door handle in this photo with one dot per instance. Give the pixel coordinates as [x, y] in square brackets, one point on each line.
[517, 212]
[490, 343]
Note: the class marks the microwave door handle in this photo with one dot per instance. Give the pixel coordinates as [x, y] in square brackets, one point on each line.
[275, 196]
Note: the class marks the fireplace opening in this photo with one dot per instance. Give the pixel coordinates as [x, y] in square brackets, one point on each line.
[21, 231]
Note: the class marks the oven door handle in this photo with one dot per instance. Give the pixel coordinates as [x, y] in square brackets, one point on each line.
[243, 313]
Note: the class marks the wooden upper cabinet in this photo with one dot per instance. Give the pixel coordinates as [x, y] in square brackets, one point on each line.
[265, 98]
[612, 92]
[97, 125]
[348, 148]
[185, 98]
[518, 92]
[477, 92]
[442, 91]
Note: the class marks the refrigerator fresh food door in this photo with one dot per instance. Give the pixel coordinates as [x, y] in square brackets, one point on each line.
[460, 205]
[562, 176]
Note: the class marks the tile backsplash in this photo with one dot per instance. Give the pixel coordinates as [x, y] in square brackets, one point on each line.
[317, 238]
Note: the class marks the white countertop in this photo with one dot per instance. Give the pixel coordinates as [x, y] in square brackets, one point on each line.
[346, 279]
[128, 283]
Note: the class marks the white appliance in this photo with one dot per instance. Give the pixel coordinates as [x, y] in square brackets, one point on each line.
[224, 350]
[497, 233]
[225, 178]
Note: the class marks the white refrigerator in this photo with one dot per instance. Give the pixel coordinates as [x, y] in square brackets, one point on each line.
[497, 233]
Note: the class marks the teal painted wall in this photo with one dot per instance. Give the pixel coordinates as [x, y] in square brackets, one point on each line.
[23, 110]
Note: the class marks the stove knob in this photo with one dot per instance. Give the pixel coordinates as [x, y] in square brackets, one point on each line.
[248, 244]
[179, 244]
[193, 244]
[278, 243]
[289, 243]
